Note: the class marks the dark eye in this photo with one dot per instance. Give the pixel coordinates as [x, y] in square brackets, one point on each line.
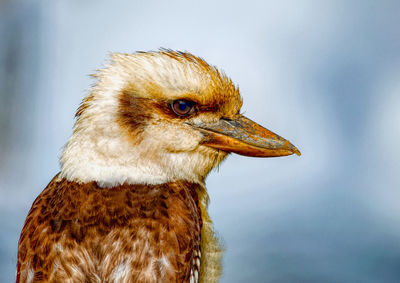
[182, 107]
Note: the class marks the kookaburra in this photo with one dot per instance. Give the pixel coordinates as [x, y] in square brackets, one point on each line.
[130, 203]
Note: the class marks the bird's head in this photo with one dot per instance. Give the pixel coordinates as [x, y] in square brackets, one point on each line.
[155, 117]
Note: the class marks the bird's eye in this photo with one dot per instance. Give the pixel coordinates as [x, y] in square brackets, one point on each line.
[182, 107]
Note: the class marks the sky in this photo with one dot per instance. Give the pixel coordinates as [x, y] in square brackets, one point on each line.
[323, 74]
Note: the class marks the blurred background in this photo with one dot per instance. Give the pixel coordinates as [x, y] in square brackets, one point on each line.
[324, 74]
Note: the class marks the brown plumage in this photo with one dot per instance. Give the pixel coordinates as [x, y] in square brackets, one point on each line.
[130, 203]
[97, 229]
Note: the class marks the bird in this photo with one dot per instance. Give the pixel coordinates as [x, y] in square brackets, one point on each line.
[130, 201]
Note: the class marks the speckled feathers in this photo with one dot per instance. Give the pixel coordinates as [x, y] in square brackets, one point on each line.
[132, 233]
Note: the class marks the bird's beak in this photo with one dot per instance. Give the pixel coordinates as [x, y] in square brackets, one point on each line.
[245, 137]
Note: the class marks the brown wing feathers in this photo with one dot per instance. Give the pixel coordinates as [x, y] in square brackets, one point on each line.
[85, 233]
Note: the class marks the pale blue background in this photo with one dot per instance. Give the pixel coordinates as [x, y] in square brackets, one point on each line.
[324, 74]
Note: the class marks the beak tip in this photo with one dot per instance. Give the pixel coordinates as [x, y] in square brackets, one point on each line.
[294, 150]
[297, 152]
[291, 148]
